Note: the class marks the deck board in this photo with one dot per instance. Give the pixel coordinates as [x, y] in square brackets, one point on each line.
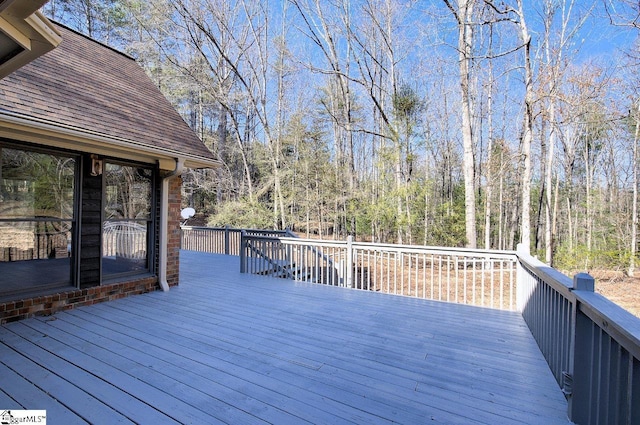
[71, 397]
[28, 393]
[230, 348]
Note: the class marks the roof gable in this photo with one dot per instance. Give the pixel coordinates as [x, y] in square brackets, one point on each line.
[90, 87]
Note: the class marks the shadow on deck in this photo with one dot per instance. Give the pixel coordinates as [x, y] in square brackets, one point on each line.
[230, 348]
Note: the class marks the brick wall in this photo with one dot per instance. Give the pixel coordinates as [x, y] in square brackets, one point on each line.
[48, 304]
[174, 232]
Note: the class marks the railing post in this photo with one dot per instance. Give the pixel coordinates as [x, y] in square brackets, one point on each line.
[243, 266]
[226, 239]
[583, 282]
[576, 383]
[520, 276]
[349, 261]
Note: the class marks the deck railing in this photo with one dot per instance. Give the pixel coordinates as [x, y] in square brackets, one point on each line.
[477, 277]
[592, 345]
[220, 240]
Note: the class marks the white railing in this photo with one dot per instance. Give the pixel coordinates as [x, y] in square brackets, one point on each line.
[477, 277]
[216, 240]
[219, 240]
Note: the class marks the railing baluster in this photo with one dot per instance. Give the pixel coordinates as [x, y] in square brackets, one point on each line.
[432, 281]
[439, 278]
[456, 265]
[448, 278]
[464, 278]
[473, 280]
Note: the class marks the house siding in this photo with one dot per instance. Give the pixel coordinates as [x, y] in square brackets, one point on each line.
[90, 227]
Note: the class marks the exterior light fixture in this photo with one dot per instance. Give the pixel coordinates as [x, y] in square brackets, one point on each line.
[96, 165]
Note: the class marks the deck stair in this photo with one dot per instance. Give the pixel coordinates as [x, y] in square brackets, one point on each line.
[276, 260]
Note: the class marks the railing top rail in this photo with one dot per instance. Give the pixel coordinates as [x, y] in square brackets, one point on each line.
[249, 232]
[554, 278]
[218, 229]
[266, 232]
[257, 234]
[613, 319]
[509, 255]
[437, 249]
[621, 325]
[222, 229]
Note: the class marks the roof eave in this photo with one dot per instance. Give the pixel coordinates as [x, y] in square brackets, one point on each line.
[33, 130]
[27, 35]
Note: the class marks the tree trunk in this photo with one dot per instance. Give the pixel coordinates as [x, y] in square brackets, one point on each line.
[634, 211]
[548, 177]
[490, 163]
[525, 232]
[465, 43]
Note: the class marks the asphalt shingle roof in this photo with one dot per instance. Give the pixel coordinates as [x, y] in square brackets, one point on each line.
[88, 86]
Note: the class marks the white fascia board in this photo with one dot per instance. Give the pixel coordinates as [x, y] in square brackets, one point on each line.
[29, 129]
[35, 34]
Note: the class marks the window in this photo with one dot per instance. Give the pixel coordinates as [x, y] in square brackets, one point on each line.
[37, 219]
[128, 220]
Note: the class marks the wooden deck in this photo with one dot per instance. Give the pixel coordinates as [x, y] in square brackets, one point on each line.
[240, 349]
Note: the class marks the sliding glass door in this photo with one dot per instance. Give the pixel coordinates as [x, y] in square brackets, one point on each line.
[37, 219]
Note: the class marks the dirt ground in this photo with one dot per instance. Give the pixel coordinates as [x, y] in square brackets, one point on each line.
[619, 288]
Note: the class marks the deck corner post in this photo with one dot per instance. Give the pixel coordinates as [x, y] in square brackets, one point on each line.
[579, 399]
[583, 282]
[243, 266]
[226, 239]
[349, 261]
[521, 297]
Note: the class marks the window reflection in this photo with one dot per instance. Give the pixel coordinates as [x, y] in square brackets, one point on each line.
[34, 184]
[126, 228]
[36, 219]
[127, 192]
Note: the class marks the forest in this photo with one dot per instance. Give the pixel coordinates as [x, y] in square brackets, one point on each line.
[477, 123]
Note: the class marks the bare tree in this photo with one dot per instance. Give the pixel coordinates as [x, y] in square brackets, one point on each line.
[555, 52]
[463, 13]
[247, 58]
[323, 24]
[623, 12]
[634, 208]
[101, 20]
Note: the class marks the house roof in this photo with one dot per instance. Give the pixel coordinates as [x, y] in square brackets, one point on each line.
[84, 95]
